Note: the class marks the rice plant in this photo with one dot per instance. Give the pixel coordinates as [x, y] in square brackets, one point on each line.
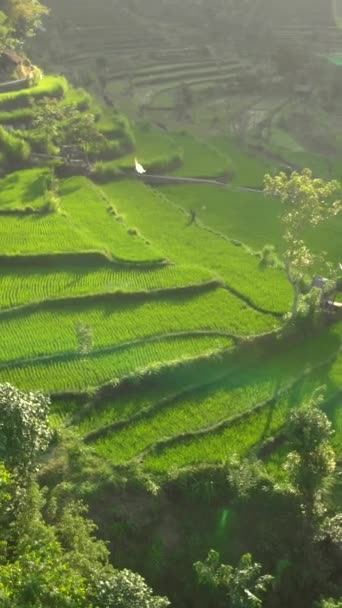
[118, 320]
[167, 227]
[86, 372]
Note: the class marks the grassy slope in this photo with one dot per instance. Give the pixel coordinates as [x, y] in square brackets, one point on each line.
[250, 217]
[90, 216]
[81, 373]
[22, 188]
[21, 283]
[245, 434]
[52, 330]
[84, 224]
[223, 389]
[151, 144]
[200, 160]
[166, 226]
[50, 86]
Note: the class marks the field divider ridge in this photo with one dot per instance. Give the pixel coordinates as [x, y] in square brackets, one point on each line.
[228, 422]
[247, 250]
[75, 355]
[149, 411]
[119, 294]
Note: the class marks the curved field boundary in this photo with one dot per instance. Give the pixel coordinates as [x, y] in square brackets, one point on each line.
[81, 256]
[231, 241]
[117, 295]
[111, 389]
[228, 422]
[14, 85]
[75, 355]
[146, 412]
[169, 179]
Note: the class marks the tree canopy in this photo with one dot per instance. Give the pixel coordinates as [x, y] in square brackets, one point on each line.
[306, 202]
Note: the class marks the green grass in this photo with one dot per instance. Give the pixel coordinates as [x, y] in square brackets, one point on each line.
[51, 329]
[83, 224]
[249, 217]
[246, 385]
[201, 408]
[90, 372]
[282, 139]
[151, 145]
[22, 283]
[129, 400]
[249, 168]
[199, 159]
[89, 215]
[21, 115]
[23, 188]
[247, 433]
[41, 234]
[50, 86]
[166, 226]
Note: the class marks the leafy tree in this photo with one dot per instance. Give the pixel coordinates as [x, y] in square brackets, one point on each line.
[5, 31]
[306, 201]
[79, 129]
[312, 461]
[245, 476]
[243, 586]
[25, 16]
[24, 429]
[125, 589]
[66, 126]
[329, 603]
[48, 117]
[59, 564]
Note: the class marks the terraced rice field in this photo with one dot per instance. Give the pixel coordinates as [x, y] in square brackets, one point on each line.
[83, 224]
[50, 328]
[151, 145]
[50, 86]
[249, 169]
[233, 212]
[81, 373]
[200, 159]
[169, 305]
[233, 414]
[166, 225]
[25, 281]
[23, 188]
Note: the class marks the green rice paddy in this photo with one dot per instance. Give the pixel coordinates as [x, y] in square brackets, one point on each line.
[169, 303]
[166, 225]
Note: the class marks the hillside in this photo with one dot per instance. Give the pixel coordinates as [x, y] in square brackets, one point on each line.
[156, 307]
